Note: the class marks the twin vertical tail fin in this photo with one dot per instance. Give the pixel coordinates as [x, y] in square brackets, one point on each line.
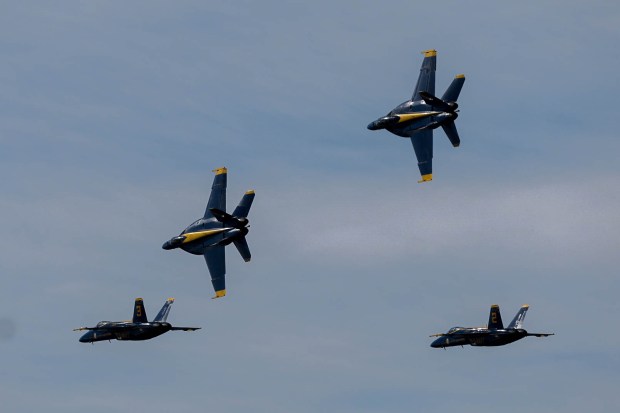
[450, 97]
[450, 129]
[454, 90]
[243, 209]
[243, 248]
[495, 319]
[162, 316]
[241, 213]
[517, 322]
[139, 313]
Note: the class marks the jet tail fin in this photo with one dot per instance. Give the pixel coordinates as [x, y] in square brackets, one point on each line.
[163, 313]
[453, 91]
[139, 313]
[495, 318]
[243, 248]
[450, 129]
[517, 322]
[243, 209]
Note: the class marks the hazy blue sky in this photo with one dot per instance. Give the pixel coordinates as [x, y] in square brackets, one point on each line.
[113, 115]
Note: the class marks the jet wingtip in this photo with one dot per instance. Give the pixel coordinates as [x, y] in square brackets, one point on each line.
[426, 178]
[429, 53]
[219, 294]
[219, 171]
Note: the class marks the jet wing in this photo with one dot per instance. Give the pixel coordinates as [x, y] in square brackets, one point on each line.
[541, 334]
[185, 328]
[216, 261]
[217, 199]
[426, 80]
[423, 146]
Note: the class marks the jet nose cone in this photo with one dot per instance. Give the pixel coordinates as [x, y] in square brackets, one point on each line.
[439, 343]
[87, 338]
[173, 243]
[383, 122]
[372, 125]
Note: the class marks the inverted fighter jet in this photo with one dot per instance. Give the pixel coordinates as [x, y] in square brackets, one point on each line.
[210, 234]
[493, 335]
[416, 118]
[139, 328]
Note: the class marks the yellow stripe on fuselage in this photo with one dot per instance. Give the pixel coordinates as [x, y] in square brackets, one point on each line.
[412, 116]
[193, 236]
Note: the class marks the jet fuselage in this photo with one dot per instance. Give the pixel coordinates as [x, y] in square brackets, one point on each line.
[480, 337]
[203, 234]
[125, 331]
[412, 116]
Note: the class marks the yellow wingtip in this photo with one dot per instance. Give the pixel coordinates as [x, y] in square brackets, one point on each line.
[494, 306]
[171, 299]
[426, 178]
[219, 294]
[430, 53]
[525, 306]
[219, 171]
[139, 299]
[460, 76]
[250, 192]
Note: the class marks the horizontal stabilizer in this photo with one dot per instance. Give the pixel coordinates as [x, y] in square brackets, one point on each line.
[435, 102]
[450, 129]
[220, 215]
[242, 246]
[185, 328]
[540, 334]
[453, 91]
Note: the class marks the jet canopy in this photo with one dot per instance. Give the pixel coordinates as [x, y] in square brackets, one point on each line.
[455, 329]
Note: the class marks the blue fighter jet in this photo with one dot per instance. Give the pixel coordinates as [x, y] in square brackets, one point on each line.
[210, 234]
[138, 329]
[416, 118]
[493, 335]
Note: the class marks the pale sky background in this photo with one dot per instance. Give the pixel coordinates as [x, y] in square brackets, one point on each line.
[113, 115]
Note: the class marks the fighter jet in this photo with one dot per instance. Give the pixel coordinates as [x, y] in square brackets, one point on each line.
[210, 234]
[416, 118]
[493, 335]
[139, 328]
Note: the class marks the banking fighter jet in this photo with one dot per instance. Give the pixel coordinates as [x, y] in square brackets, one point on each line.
[416, 118]
[210, 234]
[493, 335]
[139, 328]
